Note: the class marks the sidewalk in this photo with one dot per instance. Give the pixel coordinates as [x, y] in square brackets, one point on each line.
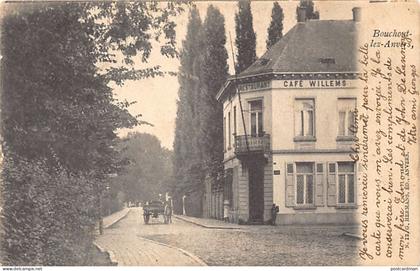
[209, 223]
[350, 231]
[354, 233]
[112, 219]
[115, 217]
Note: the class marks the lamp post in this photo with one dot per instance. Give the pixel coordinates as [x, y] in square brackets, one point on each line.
[183, 205]
[101, 215]
[101, 219]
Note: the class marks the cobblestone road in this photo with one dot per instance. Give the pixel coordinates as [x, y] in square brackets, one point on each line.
[249, 245]
[126, 243]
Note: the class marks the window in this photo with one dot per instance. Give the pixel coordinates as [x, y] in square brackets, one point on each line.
[289, 168]
[234, 120]
[346, 183]
[319, 168]
[256, 118]
[304, 183]
[304, 117]
[331, 167]
[224, 133]
[346, 117]
[229, 135]
[228, 186]
[327, 60]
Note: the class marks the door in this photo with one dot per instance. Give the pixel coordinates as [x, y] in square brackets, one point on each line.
[256, 191]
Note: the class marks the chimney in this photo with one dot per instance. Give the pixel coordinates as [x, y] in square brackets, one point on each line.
[356, 14]
[301, 15]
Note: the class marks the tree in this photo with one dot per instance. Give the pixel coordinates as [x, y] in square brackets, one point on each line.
[310, 9]
[149, 167]
[215, 72]
[59, 117]
[245, 37]
[198, 146]
[275, 30]
[188, 164]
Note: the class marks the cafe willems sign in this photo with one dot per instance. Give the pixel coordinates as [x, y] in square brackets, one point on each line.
[313, 83]
[298, 83]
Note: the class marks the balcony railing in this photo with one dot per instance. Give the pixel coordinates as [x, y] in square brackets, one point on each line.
[256, 144]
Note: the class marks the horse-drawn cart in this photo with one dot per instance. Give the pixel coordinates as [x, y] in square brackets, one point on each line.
[154, 209]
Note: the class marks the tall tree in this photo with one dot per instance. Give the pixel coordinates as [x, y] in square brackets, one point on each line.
[311, 13]
[245, 36]
[59, 117]
[187, 152]
[198, 146]
[215, 72]
[149, 167]
[275, 30]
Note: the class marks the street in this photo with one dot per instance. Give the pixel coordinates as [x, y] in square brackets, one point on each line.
[129, 241]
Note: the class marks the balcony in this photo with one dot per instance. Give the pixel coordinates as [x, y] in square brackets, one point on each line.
[256, 144]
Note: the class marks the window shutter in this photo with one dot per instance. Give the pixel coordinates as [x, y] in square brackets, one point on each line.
[356, 186]
[290, 185]
[319, 188]
[298, 123]
[332, 184]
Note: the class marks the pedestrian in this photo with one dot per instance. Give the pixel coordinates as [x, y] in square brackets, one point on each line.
[274, 211]
[226, 210]
[168, 212]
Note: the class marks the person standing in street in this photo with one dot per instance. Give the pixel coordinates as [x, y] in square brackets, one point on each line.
[168, 212]
[274, 211]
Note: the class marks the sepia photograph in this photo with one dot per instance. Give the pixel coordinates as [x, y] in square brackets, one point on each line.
[209, 133]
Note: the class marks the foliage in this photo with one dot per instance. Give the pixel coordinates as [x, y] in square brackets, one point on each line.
[245, 37]
[311, 14]
[188, 163]
[59, 116]
[198, 145]
[40, 227]
[215, 72]
[275, 30]
[149, 169]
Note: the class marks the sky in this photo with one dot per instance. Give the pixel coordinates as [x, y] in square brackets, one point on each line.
[157, 97]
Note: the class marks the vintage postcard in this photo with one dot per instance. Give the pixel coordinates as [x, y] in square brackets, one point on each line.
[209, 133]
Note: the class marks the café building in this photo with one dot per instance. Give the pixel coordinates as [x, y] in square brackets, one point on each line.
[288, 133]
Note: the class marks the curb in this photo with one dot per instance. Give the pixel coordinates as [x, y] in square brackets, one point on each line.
[110, 254]
[353, 235]
[206, 226]
[192, 256]
[117, 220]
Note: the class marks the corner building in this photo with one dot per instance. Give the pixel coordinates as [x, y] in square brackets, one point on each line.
[287, 128]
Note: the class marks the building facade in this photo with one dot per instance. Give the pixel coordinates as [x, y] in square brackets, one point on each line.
[288, 129]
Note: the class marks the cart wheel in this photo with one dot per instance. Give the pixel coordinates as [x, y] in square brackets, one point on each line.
[146, 219]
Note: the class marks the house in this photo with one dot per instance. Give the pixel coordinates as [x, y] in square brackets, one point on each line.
[288, 122]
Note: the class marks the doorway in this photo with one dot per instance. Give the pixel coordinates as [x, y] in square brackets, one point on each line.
[256, 191]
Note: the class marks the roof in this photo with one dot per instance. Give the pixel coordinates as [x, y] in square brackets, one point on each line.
[314, 46]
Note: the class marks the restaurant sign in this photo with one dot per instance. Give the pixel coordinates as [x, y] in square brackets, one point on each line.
[254, 86]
